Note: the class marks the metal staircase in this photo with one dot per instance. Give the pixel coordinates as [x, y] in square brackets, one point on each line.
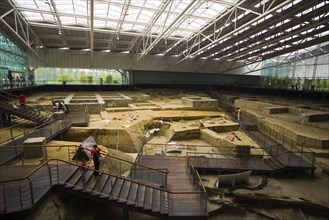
[8, 107]
[117, 189]
[285, 154]
[131, 194]
[26, 112]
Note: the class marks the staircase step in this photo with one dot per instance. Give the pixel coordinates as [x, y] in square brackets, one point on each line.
[26, 112]
[81, 184]
[164, 208]
[156, 201]
[116, 189]
[74, 178]
[140, 196]
[148, 198]
[124, 191]
[91, 183]
[66, 172]
[108, 187]
[98, 187]
[131, 200]
[149, 176]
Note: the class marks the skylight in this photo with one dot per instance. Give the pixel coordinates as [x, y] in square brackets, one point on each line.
[120, 17]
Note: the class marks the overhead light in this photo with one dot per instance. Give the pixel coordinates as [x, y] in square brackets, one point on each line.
[59, 32]
[118, 37]
[64, 48]
[106, 51]
[87, 49]
[166, 41]
[39, 46]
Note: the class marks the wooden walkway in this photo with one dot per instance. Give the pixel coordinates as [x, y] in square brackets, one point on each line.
[179, 182]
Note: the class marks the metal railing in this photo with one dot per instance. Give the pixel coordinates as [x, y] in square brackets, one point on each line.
[110, 163]
[15, 131]
[22, 193]
[11, 147]
[197, 181]
[279, 146]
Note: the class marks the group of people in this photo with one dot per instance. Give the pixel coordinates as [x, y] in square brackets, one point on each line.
[60, 106]
[20, 81]
[95, 154]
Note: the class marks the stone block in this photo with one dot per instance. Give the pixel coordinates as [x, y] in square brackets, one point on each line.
[275, 110]
[200, 103]
[34, 147]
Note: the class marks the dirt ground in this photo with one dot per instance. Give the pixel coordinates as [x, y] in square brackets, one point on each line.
[164, 120]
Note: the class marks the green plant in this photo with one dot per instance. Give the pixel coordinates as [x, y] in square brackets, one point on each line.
[64, 77]
[108, 78]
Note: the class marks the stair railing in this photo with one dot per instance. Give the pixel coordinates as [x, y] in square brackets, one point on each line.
[135, 167]
[22, 193]
[197, 181]
[38, 185]
[11, 148]
[7, 95]
[275, 137]
[13, 98]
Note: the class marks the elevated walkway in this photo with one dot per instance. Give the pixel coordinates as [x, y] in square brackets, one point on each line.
[285, 154]
[12, 148]
[22, 194]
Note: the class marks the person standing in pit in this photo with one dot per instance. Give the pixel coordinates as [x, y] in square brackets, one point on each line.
[238, 113]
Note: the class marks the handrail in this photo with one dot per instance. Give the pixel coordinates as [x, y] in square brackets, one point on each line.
[164, 170]
[292, 152]
[246, 119]
[217, 153]
[120, 159]
[134, 181]
[198, 175]
[13, 126]
[27, 175]
[8, 95]
[169, 199]
[30, 131]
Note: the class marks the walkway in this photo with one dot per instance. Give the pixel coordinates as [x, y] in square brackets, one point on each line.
[179, 181]
[13, 148]
[131, 194]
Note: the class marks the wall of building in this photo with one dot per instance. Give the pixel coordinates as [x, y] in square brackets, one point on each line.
[150, 69]
[102, 60]
[154, 77]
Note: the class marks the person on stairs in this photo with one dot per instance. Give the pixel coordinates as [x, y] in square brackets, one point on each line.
[83, 169]
[96, 155]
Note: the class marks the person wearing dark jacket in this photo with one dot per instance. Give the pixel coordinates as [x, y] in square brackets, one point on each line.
[96, 155]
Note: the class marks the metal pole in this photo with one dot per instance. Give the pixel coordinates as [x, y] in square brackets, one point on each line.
[31, 191]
